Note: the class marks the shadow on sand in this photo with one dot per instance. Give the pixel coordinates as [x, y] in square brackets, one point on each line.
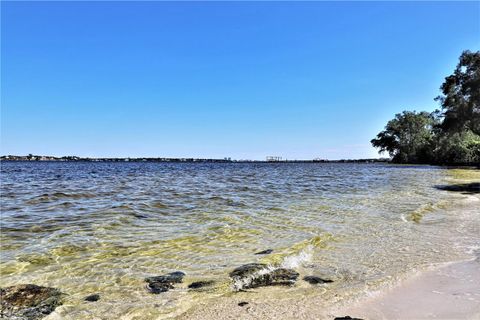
[466, 188]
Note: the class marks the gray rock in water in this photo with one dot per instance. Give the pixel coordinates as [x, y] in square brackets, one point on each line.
[159, 284]
[246, 270]
[253, 278]
[173, 277]
[92, 297]
[28, 301]
[316, 280]
[200, 284]
[158, 287]
[268, 251]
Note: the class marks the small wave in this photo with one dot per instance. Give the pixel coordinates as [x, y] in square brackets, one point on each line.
[471, 198]
[419, 213]
[122, 207]
[295, 261]
[158, 205]
[299, 250]
[47, 197]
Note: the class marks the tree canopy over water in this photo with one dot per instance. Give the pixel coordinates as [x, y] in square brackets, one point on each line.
[447, 136]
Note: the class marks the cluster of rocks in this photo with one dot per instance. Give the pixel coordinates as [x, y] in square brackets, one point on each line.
[163, 283]
[32, 302]
[248, 276]
[254, 275]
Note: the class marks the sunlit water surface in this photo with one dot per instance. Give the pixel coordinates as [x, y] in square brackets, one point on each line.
[103, 227]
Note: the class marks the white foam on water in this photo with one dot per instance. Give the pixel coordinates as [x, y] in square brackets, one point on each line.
[295, 261]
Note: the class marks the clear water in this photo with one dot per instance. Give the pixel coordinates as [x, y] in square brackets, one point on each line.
[103, 227]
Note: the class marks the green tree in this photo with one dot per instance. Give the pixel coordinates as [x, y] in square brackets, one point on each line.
[408, 137]
[461, 147]
[460, 99]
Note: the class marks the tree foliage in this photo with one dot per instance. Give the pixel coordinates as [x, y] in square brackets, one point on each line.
[461, 95]
[458, 148]
[408, 137]
[447, 136]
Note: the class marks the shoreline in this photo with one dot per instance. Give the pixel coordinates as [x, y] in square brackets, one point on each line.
[446, 291]
[450, 291]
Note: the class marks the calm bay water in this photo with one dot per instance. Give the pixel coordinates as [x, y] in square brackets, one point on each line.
[103, 227]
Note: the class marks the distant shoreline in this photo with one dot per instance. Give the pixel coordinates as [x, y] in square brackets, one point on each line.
[206, 160]
[35, 158]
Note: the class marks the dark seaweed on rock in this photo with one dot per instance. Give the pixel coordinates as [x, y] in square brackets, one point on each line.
[28, 301]
[254, 275]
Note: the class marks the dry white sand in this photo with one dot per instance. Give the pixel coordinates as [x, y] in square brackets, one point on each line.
[447, 292]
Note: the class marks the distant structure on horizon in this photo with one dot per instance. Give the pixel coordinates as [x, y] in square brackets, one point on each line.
[273, 159]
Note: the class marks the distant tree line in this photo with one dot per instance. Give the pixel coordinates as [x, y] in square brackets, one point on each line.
[449, 136]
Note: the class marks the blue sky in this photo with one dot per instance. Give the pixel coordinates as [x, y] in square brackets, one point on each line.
[221, 79]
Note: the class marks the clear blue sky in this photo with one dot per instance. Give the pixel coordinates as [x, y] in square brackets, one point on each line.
[221, 79]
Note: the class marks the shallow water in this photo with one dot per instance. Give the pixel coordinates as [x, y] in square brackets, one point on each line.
[103, 227]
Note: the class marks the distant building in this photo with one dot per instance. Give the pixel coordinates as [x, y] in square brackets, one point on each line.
[273, 159]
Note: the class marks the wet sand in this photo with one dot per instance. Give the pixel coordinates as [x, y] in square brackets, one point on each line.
[447, 292]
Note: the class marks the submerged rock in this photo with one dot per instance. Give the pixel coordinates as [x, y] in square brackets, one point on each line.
[173, 277]
[92, 297]
[158, 287]
[316, 280]
[200, 284]
[28, 301]
[254, 275]
[247, 270]
[159, 284]
[268, 251]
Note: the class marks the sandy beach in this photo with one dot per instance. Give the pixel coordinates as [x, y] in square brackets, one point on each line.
[447, 292]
